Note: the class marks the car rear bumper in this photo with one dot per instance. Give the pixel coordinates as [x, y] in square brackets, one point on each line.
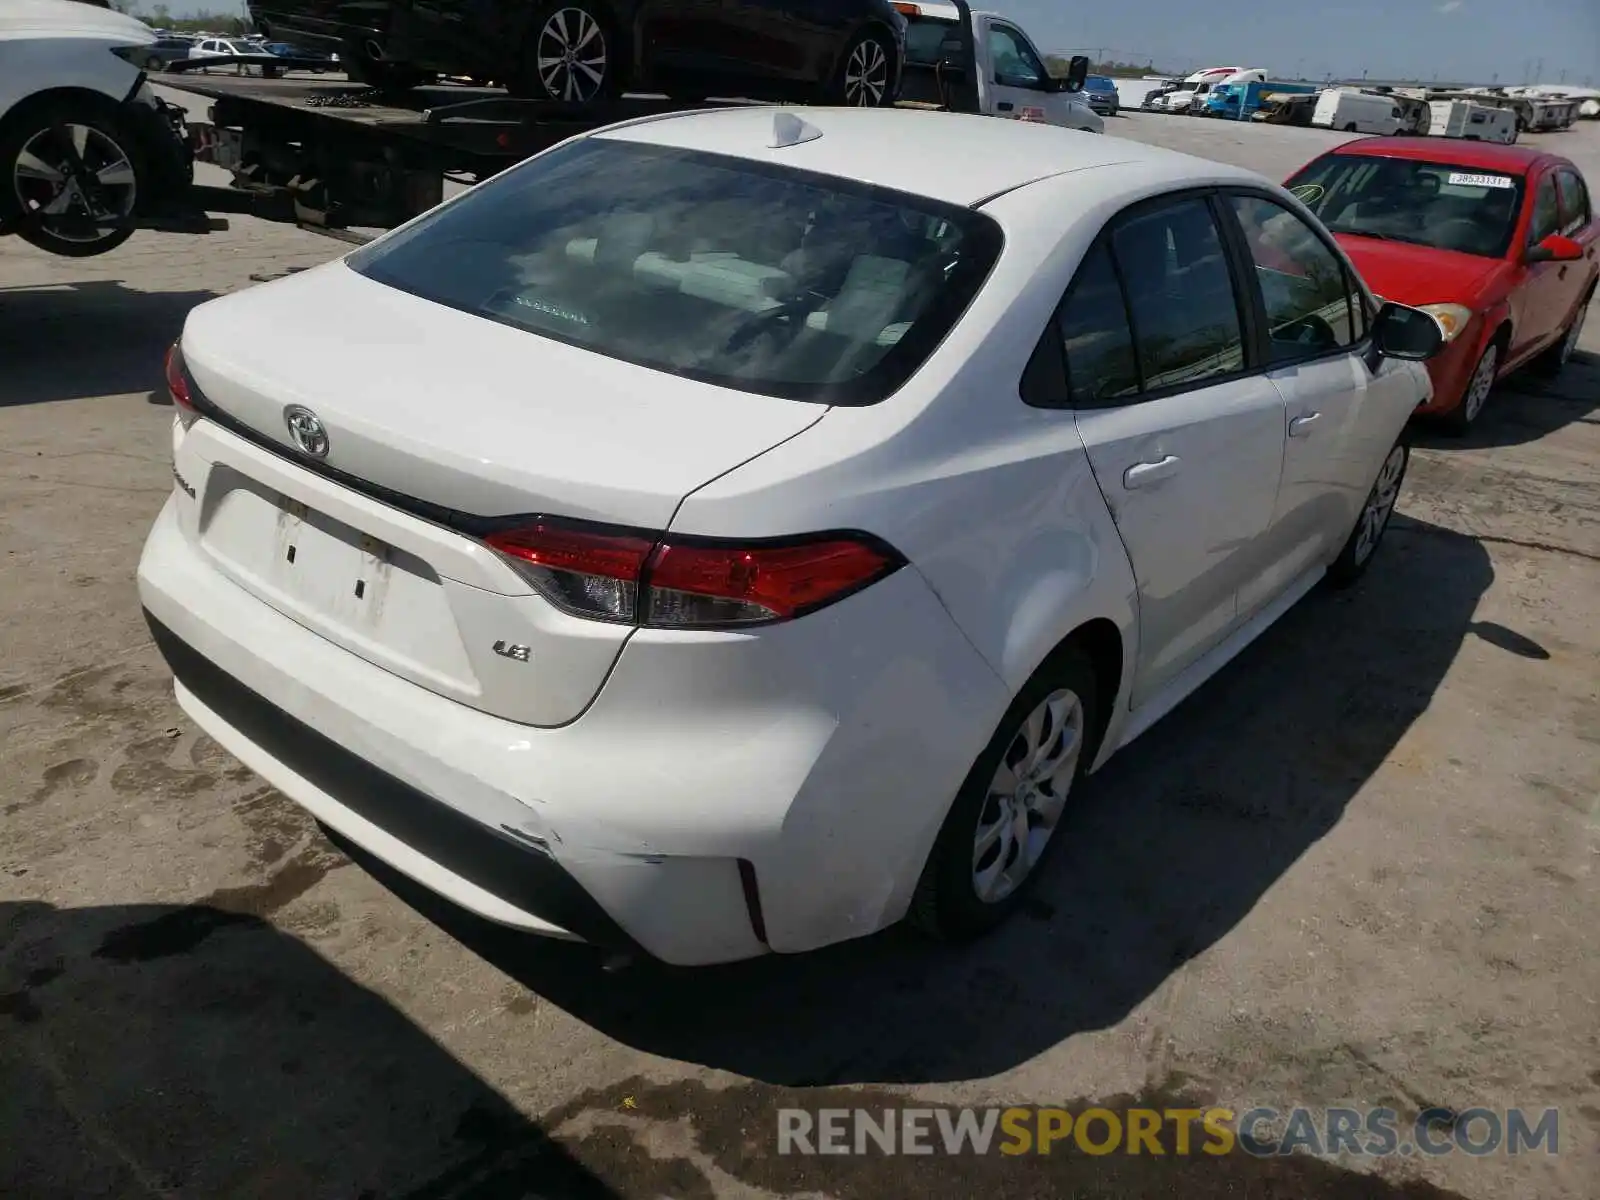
[725, 795]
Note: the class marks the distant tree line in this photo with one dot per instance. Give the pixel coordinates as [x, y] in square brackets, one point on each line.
[159, 16]
[1057, 65]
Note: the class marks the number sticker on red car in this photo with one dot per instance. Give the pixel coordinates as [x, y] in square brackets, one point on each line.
[1462, 179]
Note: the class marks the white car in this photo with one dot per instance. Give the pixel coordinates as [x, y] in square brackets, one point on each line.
[731, 532]
[223, 49]
[84, 142]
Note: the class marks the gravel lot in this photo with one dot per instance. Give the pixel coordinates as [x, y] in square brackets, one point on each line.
[1360, 867]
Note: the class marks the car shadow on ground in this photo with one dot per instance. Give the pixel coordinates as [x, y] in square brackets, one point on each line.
[1525, 408]
[1174, 843]
[93, 338]
[187, 1051]
[183, 1051]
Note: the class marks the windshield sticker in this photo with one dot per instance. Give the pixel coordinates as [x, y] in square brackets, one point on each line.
[1307, 193]
[1462, 179]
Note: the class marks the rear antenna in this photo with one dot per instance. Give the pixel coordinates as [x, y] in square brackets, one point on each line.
[790, 130]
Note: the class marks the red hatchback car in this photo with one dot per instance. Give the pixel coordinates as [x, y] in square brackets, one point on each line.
[1499, 243]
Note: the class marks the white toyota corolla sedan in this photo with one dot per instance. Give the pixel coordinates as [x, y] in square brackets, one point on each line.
[737, 531]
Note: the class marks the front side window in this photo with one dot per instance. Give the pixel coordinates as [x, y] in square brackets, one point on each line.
[1546, 212]
[1180, 295]
[1447, 206]
[747, 275]
[1015, 63]
[1304, 288]
[1575, 210]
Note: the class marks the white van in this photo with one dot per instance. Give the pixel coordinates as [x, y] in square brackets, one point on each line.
[1357, 112]
[1474, 122]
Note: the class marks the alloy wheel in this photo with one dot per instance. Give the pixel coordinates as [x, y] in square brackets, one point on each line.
[1481, 384]
[1380, 504]
[571, 56]
[866, 75]
[1569, 344]
[76, 176]
[1027, 796]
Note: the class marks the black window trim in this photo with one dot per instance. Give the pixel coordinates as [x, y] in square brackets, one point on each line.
[1354, 285]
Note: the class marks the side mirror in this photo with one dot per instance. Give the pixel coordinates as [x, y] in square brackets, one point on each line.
[1077, 73]
[1399, 331]
[1555, 248]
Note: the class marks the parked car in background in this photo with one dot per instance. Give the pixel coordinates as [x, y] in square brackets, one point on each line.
[874, 496]
[1012, 79]
[586, 51]
[1499, 243]
[75, 161]
[305, 58]
[1101, 93]
[160, 54]
[221, 50]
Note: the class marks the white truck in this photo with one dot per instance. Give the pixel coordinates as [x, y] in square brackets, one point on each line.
[1354, 111]
[1473, 122]
[1195, 86]
[1012, 79]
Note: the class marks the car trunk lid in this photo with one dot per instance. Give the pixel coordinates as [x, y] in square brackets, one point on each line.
[439, 425]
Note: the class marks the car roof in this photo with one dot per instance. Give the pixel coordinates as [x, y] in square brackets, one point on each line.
[1509, 160]
[953, 157]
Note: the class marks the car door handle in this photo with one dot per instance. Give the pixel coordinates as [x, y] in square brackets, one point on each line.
[1301, 426]
[1561, 274]
[1145, 473]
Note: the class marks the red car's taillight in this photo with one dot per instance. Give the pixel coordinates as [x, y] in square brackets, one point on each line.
[691, 583]
[178, 387]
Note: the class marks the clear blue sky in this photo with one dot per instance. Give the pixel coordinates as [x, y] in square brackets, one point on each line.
[1417, 39]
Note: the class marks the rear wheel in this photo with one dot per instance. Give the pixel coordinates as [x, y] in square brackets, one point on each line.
[1551, 362]
[360, 67]
[863, 77]
[571, 55]
[1350, 128]
[66, 166]
[1004, 820]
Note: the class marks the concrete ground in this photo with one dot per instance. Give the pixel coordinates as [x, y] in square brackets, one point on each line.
[1360, 867]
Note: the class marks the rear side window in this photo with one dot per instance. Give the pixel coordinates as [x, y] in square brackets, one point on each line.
[1180, 294]
[765, 279]
[1102, 366]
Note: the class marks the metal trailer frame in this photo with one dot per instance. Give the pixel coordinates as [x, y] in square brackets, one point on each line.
[334, 162]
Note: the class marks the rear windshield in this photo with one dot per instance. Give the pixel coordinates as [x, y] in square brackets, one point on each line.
[761, 278]
[1447, 206]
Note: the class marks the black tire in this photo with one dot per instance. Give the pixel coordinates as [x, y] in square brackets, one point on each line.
[560, 26]
[1361, 547]
[29, 127]
[1350, 128]
[1553, 361]
[1460, 419]
[864, 75]
[946, 904]
[385, 76]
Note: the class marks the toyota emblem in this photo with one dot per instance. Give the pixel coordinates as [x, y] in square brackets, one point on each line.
[306, 431]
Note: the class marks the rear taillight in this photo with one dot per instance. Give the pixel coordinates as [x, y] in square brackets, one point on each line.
[691, 583]
[178, 387]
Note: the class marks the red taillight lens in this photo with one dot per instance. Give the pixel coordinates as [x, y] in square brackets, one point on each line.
[178, 386]
[694, 584]
[587, 574]
[689, 583]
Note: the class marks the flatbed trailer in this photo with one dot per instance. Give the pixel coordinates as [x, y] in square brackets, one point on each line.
[336, 160]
